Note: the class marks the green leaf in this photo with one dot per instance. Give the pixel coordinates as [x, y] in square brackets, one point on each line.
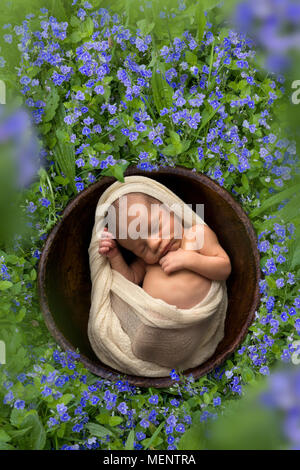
[156, 433]
[206, 398]
[20, 432]
[4, 437]
[46, 128]
[192, 439]
[130, 440]
[190, 57]
[210, 4]
[276, 199]
[145, 26]
[117, 171]
[170, 150]
[61, 180]
[98, 431]
[75, 21]
[201, 22]
[115, 420]
[296, 257]
[51, 105]
[247, 374]
[21, 314]
[66, 398]
[33, 71]
[33, 274]
[103, 418]
[34, 439]
[16, 417]
[233, 159]
[75, 37]
[245, 182]
[271, 282]
[5, 446]
[64, 152]
[87, 27]
[206, 118]
[62, 430]
[174, 137]
[13, 259]
[162, 92]
[99, 146]
[290, 210]
[4, 285]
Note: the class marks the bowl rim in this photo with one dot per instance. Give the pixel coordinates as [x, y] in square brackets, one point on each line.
[101, 369]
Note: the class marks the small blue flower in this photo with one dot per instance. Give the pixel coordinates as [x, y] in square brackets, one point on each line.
[123, 408]
[280, 259]
[140, 436]
[99, 90]
[61, 408]
[217, 401]
[52, 422]
[297, 302]
[174, 402]
[153, 399]
[65, 417]
[280, 282]
[284, 316]
[285, 356]
[144, 423]
[79, 96]
[8, 397]
[79, 186]
[86, 131]
[77, 427]
[180, 428]
[171, 420]
[21, 377]
[19, 404]
[45, 202]
[94, 399]
[46, 392]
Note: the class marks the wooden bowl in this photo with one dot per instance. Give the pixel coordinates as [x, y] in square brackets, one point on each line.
[64, 277]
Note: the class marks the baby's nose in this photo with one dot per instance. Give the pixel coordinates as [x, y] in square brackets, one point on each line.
[154, 243]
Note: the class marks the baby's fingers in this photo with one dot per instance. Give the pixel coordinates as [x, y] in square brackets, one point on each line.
[105, 234]
[109, 243]
[103, 249]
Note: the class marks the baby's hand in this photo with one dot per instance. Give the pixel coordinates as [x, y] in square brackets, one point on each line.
[107, 245]
[173, 261]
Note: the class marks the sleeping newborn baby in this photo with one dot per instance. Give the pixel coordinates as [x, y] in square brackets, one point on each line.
[166, 267]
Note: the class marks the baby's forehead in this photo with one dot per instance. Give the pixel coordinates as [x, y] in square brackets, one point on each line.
[128, 200]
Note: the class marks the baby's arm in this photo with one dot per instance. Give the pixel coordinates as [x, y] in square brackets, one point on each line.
[139, 270]
[211, 260]
[108, 247]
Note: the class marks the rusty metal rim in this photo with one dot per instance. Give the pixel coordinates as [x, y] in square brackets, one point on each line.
[105, 371]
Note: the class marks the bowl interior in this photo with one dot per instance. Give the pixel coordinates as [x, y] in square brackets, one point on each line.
[66, 285]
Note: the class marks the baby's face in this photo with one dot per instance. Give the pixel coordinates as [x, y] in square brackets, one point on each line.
[165, 226]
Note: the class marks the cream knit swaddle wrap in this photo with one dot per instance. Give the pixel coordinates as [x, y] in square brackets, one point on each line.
[135, 333]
